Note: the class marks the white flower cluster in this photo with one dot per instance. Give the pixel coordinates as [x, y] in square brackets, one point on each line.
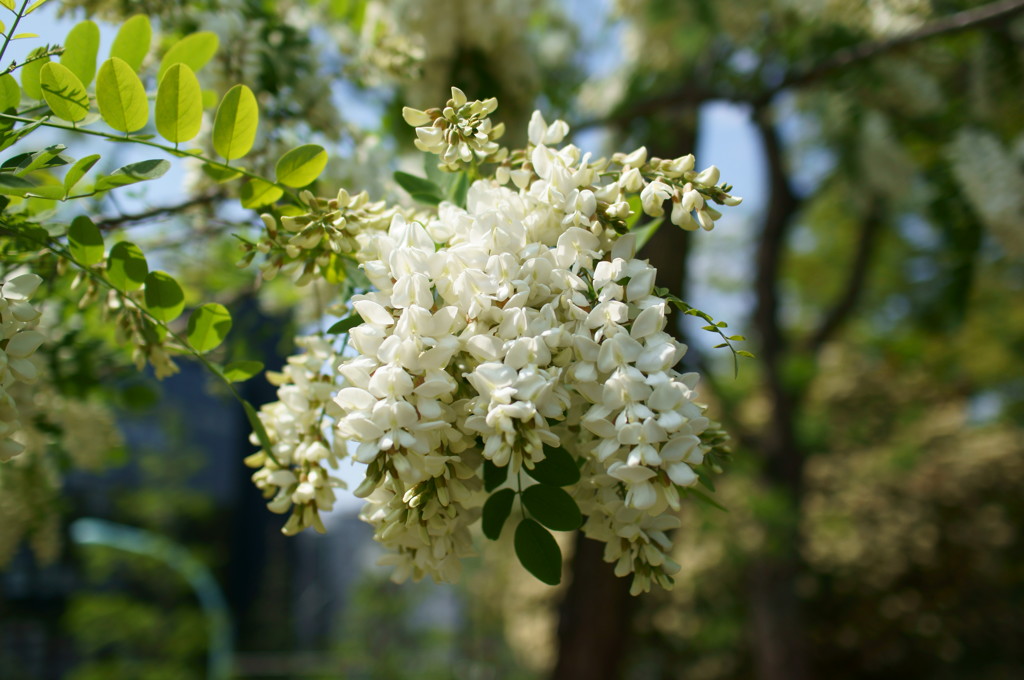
[18, 342]
[293, 475]
[306, 243]
[460, 132]
[520, 323]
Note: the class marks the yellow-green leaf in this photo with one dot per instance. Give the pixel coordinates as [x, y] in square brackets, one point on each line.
[195, 50]
[240, 371]
[257, 193]
[179, 104]
[121, 96]
[78, 170]
[30, 73]
[34, 6]
[80, 48]
[208, 326]
[301, 165]
[9, 4]
[132, 41]
[164, 297]
[234, 126]
[133, 173]
[126, 267]
[219, 174]
[10, 93]
[64, 92]
[85, 241]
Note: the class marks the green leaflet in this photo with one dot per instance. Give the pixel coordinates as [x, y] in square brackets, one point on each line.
[63, 92]
[538, 551]
[78, 170]
[194, 50]
[459, 189]
[85, 241]
[494, 476]
[257, 192]
[346, 324]
[80, 48]
[10, 93]
[179, 104]
[557, 469]
[30, 73]
[132, 41]
[34, 6]
[126, 267]
[121, 96]
[552, 507]
[208, 326]
[496, 510]
[422, 190]
[234, 127]
[133, 173]
[301, 165]
[647, 231]
[164, 297]
[240, 371]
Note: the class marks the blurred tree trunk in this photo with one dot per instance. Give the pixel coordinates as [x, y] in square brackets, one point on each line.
[778, 637]
[595, 615]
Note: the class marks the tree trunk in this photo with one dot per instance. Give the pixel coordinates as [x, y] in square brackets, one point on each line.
[595, 616]
[594, 625]
[778, 637]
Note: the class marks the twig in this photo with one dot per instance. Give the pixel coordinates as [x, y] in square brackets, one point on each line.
[852, 291]
[693, 94]
[109, 223]
[954, 23]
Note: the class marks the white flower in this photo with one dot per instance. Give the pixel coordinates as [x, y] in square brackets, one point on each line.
[653, 196]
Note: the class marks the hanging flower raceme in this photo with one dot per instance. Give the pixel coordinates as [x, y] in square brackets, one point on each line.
[513, 356]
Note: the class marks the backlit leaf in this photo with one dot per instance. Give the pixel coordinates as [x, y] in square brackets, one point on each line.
[132, 173]
[80, 48]
[30, 73]
[10, 93]
[34, 6]
[121, 96]
[63, 92]
[85, 241]
[301, 165]
[126, 267]
[234, 127]
[179, 104]
[164, 297]
[78, 170]
[195, 50]
[132, 41]
[240, 371]
[257, 193]
[208, 326]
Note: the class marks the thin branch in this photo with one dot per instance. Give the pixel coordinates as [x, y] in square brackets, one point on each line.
[954, 23]
[784, 460]
[797, 77]
[109, 223]
[852, 291]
